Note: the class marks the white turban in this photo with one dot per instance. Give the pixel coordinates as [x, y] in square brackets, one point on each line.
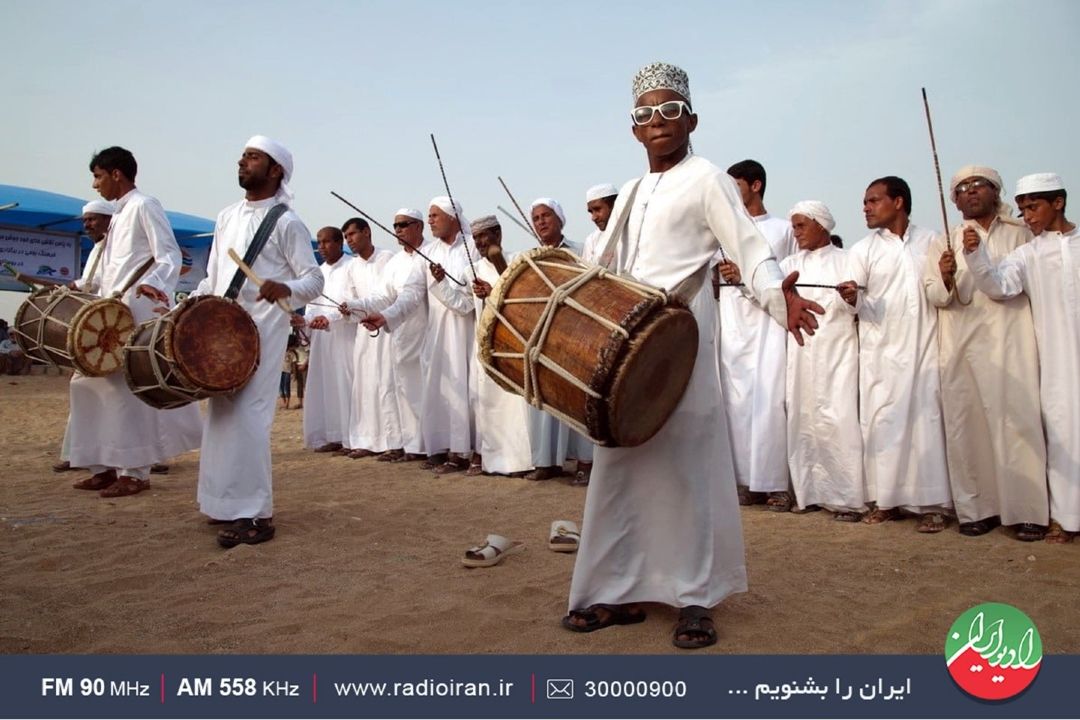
[99, 207]
[599, 192]
[280, 154]
[409, 212]
[1038, 183]
[443, 203]
[969, 171]
[553, 204]
[487, 222]
[816, 211]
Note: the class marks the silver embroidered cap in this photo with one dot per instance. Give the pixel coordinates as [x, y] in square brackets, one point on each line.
[661, 76]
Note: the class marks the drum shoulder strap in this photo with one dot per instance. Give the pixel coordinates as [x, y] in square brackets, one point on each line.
[606, 258]
[257, 243]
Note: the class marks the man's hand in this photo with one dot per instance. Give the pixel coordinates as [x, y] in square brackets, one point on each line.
[437, 272]
[800, 311]
[730, 272]
[272, 291]
[296, 320]
[947, 265]
[319, 322]
[153, 293]
[849, 291]
[481, 289]
[373, 322]
[971, 239]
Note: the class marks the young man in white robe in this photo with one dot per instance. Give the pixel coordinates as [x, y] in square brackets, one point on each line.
[989, 371]
[646, 538]
[752, 359]
[114, 434]
[374, 426]
[330, 370]
[446, 419]
[1047, 270]
[899, 384]
[552, 441]
[235, 480]
[599, 202]
[402, 312]
[502, 437]
[824, 440]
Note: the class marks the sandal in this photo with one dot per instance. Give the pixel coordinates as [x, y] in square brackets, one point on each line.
[1030, 532]
[580, 479]
[748, 497]
[544, 472]
[879, 516]
[696, 624]
[433, 461]
[391, 455]
[328, 447]
[778, 502]
[1058, 535]
[361, 453]
[848, 516]
[592, 621]
[475, 469]
[491, 553]
[125, 485]
[931, 522]
[452, 465]
[96, 482]
[409, 457]
[63, 466]
[246, 531]
[564, 536]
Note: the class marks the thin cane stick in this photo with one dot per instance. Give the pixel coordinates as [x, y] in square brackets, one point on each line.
[517, 222]
[256, 279]
[532, 231]
[937, 170]
[378, 224]
[461, 223]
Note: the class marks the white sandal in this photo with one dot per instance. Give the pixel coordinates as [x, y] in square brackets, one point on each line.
[564, 536]
[491, 552]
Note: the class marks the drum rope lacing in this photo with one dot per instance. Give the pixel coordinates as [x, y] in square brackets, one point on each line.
[532, 351]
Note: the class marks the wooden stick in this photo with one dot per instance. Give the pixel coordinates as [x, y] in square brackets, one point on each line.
[806, 285]
[30, 279]
[461, 223]
[135, 277]
[937, 170]
[256, 279]
[403, 242]
[532, 230]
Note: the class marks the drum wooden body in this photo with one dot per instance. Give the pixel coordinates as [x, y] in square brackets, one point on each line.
[609, 356]
[74, 329]
[207, 346]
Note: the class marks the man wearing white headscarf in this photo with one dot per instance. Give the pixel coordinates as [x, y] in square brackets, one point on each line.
[823, 436]
[989, 371]
[1047, 270]
[646, 538]
[751, 354]
[599, 202]
[552, 441]
[235, 482]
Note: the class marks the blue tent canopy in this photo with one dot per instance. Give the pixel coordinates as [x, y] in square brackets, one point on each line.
[62, 213]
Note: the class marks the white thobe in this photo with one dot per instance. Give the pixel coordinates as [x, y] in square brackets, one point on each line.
[110, 427]
[590, 250]
[90, 281]
[1048, 270]
[330, 369]
[646, 538]
[406, 321]
[824, 441]
[446, 418]
[374, 424]
[502, 438]
[752, 362]
[989, 388]
[899, 384]
[235, 479]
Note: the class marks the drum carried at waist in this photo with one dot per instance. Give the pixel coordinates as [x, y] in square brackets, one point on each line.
[207, 346]
[74, 329]
[608, 356]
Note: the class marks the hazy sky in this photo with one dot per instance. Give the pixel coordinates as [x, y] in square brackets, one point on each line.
[824, 94]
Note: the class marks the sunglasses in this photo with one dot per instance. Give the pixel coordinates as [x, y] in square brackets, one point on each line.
[670, 110]
[973, 185]
[404, 224]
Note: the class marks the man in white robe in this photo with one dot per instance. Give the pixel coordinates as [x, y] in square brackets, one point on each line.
[752, 360]
[599, 202]
[235, 481]
[553, 442]
[502, 437]
[824, 440]
[374, 426]
[330, 368]
[899, 384]
[115, 435]
[989, 372]
[646, 538]
[1047, 270]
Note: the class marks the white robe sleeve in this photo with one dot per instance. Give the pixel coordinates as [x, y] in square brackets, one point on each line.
[456, 298]
[165, 271]
[1001, 282]
[296, 247]
[409, 296]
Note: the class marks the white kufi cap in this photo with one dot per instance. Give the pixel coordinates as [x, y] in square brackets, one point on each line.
[99, 207]
[1038, 183]
[598, 192]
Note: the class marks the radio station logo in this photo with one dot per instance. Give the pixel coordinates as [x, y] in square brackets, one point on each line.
[993, 651]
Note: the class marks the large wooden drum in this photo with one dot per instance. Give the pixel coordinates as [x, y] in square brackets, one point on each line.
[609, 356]
[206, 346]
[74, 329]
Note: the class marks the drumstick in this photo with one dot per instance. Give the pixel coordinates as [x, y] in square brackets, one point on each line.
[454, 207]
[532, 230]
[30, 279]
[806, 285]
[256, 279]
[495, 256]
[135, 277]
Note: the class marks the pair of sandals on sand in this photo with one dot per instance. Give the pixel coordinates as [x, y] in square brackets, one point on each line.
[564, 537]
[694, 630]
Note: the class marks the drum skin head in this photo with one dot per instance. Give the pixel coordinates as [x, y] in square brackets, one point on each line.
[97, 337]
[215, 344]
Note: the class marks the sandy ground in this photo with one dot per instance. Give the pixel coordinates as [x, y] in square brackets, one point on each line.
[366, 560]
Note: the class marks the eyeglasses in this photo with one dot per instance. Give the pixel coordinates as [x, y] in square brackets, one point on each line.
[973, 185]
[404, 224]
[670, 110]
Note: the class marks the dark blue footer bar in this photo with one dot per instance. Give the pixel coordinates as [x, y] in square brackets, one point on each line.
[521, 686]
